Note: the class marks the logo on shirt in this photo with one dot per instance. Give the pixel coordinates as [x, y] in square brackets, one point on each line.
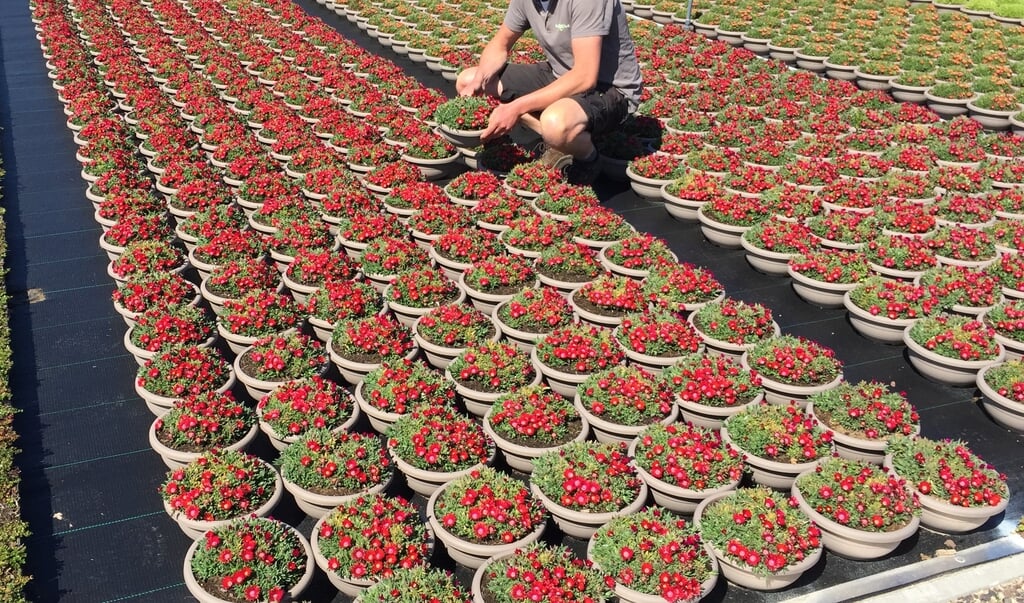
[561, 26]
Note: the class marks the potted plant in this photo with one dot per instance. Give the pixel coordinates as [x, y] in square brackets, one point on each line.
[299, 405]
[567, 356]
[823, 277]
[621, 401]
[143, 258]
[348, 539]
[531, 421]
[598, 227]
[179, 372]
[339, 301]
[1005, 320]
[792, 368]
[530, 314]
[731, 326]
[385, 258]
[748, 550]
[444, 332]
[635, 256]
[681, 288]
[491, 281]
[842, 497]
[654, 340]
[528, 180]
[682, 465]
[469, 188]
[145, 292]
[484, 514]
[416, 292]
[201, 422]
[710, 388]
[396, 387]
[164, 327]
[651, 554]
[561, 201]
[323, 469]
[433, 445]
[567, 266]
[604, 301]
[358, 346]
[218, 486]
[530, 236]
[961, 289]
[249, 559]
[311, 269]
[958, 491]
[458, 249]
[486, 371]
[415, 585]
[463, 118]
[585, 484]
[649, 173]
[951, 348]
[1002, 387]
[276, 359]
[539, 571]
[685, 195]
[260, 313]
[881, 308]
[863, 418]
[237, 278]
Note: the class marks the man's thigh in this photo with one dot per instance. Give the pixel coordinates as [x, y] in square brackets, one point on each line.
[604, 109]
[520, 79]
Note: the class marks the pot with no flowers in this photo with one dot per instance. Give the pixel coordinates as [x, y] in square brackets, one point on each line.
[959, 492]
[322, 469]
[446, 331]
[682, 465]
[347, 541]
[485, 514]
[606, 300]
[863, 417]
[863, 510]
[496, 279]
[951, 349]
[276, 359]
[395, 387]
[433, 445]
[462, 119]
[222, 565]
[198, 423]
[486, 371]
[585, 484]
[530, 315]
[621, 401]
[778, 442]
[730, 327]
[1002, 386]
[297, 406]
[531, 421]
[793, 368]
[654, 556]
[745, 528]
[539, 571]
[710, 388]
[359, 346]
[567, 356]
[217, 487]
[181, 372]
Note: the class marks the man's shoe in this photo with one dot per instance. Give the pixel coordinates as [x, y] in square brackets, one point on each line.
[553, 158]
[583, 173]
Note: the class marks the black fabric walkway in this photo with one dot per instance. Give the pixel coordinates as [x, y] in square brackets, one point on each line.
[89, 476]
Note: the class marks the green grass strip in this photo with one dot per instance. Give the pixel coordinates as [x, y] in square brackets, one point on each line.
[13, 530]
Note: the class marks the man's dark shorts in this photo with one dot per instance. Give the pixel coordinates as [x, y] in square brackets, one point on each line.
[605, 106]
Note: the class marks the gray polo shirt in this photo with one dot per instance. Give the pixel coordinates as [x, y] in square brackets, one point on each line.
[570, 19]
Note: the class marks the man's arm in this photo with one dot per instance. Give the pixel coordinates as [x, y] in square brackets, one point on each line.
[493, 59]
[582, 77]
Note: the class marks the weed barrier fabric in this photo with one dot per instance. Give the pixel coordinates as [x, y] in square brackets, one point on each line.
[89, 476]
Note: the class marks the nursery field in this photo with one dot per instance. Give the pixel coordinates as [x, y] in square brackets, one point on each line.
[263, 265]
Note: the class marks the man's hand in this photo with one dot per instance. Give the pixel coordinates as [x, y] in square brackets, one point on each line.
[503, 119]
